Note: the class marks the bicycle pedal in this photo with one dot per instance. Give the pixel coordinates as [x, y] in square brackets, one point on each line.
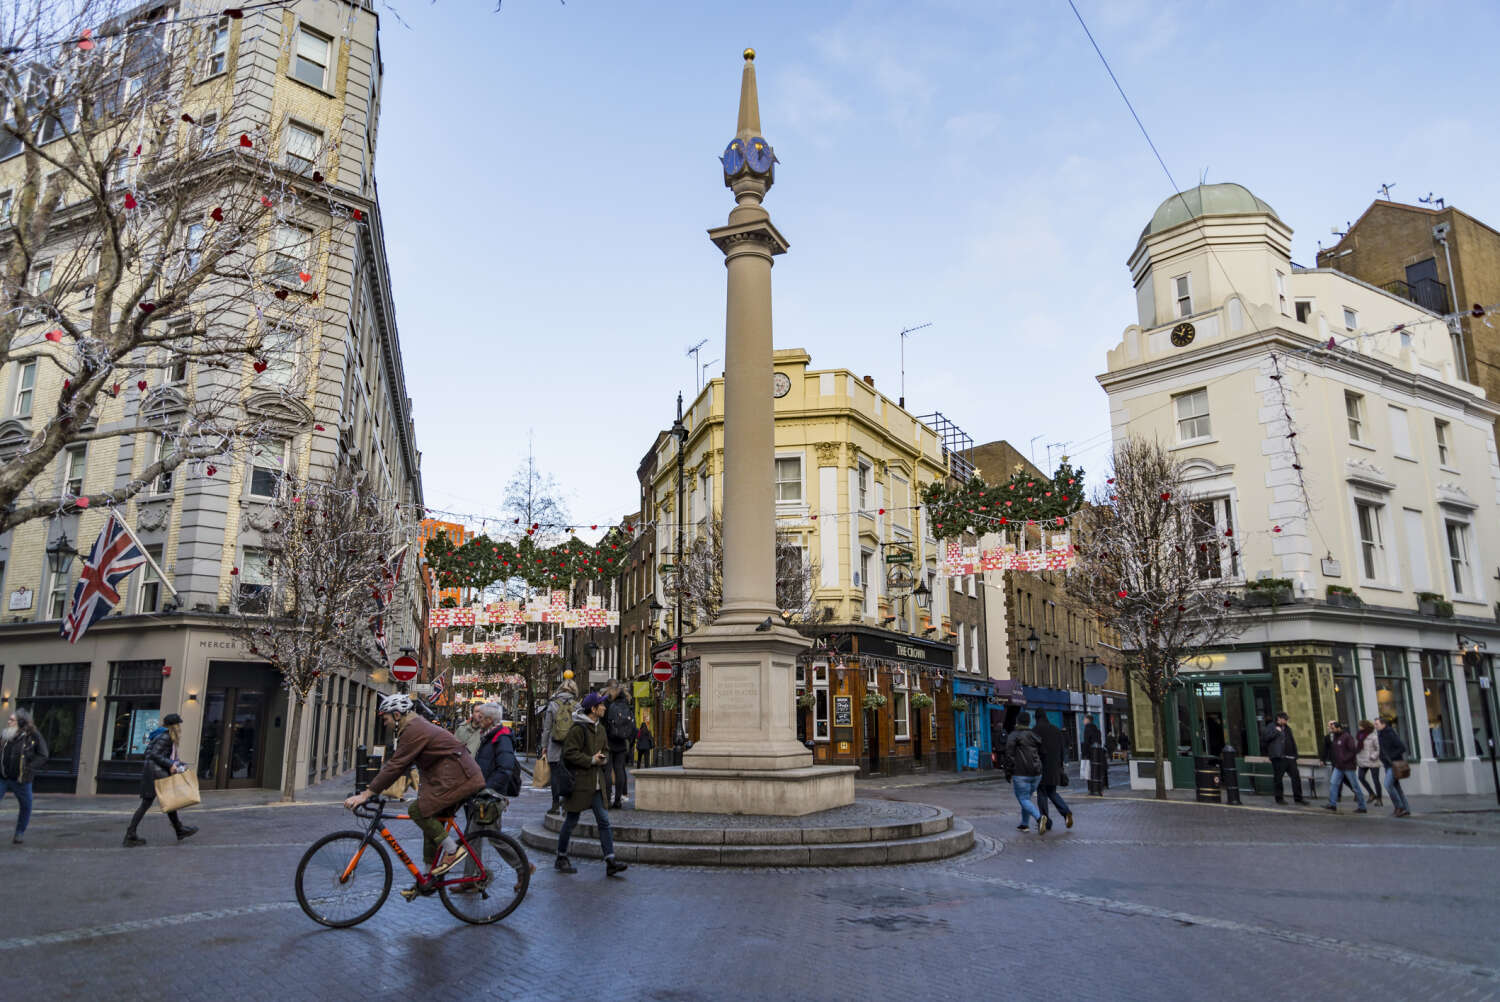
[410, 893]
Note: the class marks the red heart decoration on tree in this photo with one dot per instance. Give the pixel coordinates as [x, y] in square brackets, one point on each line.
[1110, 480]
[317, 177]
[84, 42]
[593, 527]
[81, 503]
[813, 517]
[281, 294]
[217, 215]
[212, 470]
[536, 525]
[1477, 311]
[245, 141]
[313, 298]
[234, 571]
[234, 12]
[141, 385]
[53, 336]
[881, 511]
[114, 390]
[67, 385]
[304, 277]
[129, 200]
[1166, 495]
[1276, 528]
[1123, 594]
[137, 151]
[187, 118]
[1003, 521]
[318, 427]
[259, 366]
[1059, 521]
[265, 201]
[358, 216]
[1229, 532]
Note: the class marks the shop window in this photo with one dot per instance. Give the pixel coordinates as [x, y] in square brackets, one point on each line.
[901, 715]
[1442, 708]
[820, 702]
[1478, 696]
[1346, 695]
[55, 696]
[132, 711]
[1392, 697]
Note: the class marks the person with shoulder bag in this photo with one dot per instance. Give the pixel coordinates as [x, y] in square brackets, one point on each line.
[1393, 759]
[22, 748]
[556, 722]
[1368, 761]
[161, 761]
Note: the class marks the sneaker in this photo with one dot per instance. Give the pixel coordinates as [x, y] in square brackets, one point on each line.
[448, 861]
[1280, 800]
[186, 831]
[1023, 828]
[1069, 819]
[1299, 800]
[613, 867]
[563, 866]
[131, 840]
[1361, 810]
[17, 840]
[1329, 807]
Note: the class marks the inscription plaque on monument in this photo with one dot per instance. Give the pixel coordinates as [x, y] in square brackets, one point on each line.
[736, 696]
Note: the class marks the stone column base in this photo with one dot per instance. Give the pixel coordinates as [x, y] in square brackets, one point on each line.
[778, 792]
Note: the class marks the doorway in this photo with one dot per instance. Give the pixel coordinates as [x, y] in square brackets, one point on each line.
[236, 708]
[872, 741]
[1219, 710]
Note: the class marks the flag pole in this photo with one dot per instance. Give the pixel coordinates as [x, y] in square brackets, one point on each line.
[115, 513]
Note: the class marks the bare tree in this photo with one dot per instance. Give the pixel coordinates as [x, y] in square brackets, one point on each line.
[159, 268]
[1153, 565]
[306, 604]
[534, 499]
[701, 579]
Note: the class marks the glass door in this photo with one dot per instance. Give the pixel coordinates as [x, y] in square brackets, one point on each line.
[212, 739]
[245, 738]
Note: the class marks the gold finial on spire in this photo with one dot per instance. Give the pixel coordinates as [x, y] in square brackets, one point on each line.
[749, 55]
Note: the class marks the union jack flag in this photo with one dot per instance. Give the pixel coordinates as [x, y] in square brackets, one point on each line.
[390, 573]
[114, 556]
[437, 686]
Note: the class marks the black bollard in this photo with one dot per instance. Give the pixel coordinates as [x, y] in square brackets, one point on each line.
[361, 768]
[1098, 771]
[1229, 774]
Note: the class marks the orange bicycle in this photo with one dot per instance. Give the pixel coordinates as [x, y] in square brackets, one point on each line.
[345, 877]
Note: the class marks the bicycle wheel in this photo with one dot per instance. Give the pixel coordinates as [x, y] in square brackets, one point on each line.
[334, 888]
[507, 872]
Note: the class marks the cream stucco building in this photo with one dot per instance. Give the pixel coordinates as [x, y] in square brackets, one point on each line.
[1328, 431]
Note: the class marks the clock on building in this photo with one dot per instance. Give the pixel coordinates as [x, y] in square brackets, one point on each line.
[781, 385]
[734, 157]
[1183, 334]
[758, 155]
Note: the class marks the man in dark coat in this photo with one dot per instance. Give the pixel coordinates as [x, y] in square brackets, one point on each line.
[1281, 747]
[619, 728]
[1051, 738]
[1343, 752]
[160, 762]
[1023, 763]
[644, 742]
[497, 752]
[22, 748]
[585, 754]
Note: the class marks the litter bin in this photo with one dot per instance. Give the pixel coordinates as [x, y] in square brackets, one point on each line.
[1206, 778]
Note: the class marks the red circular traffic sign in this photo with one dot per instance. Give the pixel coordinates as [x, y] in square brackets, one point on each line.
[404, 668]
[662, 671]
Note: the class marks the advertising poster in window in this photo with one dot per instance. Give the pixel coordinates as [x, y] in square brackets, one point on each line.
[843, 711]
[142, 723]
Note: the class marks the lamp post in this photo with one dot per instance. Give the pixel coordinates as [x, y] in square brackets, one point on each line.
[680, 433]
[656, 708]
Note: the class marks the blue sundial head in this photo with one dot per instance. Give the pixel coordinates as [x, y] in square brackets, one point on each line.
[733, 158]
[758, 155]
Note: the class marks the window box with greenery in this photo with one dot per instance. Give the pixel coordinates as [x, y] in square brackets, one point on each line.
[807, 701]
[874, 700]
[921, 701]
[1430, 603]
[693, 700]
[960, 705]
[1341, 596]
[1268, 591]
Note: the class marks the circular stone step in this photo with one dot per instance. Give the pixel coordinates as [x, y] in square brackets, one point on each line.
[866, 833]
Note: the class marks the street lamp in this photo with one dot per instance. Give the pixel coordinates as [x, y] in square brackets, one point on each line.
[1032, 641]
[922, 594]
[60, 554]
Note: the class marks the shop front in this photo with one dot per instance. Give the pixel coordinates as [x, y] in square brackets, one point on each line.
[1056, 705]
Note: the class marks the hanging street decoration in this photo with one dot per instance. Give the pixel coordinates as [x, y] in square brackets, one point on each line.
[483, 561]
[1057, 554]
[980, 507]
[554, 609]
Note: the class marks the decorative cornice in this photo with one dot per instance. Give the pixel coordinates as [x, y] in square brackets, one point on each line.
[1362, 471]
[828, 452]
[1453, 495]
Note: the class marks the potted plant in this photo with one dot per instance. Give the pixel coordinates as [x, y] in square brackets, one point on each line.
[1268, 591]
[1430, 603]
[646, 702]
[874, 700]
[692, 700]
[1341, 596]
[921, 701]
[668, 702]
[960, 704]
[806, 701]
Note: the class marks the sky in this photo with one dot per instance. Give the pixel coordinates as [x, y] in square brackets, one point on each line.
[547, 173]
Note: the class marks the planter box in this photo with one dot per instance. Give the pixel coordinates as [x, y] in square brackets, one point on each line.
[1260, 597]
[1346, 601]
[1439, 609]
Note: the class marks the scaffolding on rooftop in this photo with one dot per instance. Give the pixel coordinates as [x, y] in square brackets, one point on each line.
[956, 444]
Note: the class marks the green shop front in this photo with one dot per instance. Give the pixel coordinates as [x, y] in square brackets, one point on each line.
[1227, 698]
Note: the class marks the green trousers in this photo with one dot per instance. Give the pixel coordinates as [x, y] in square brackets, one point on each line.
[433, 832]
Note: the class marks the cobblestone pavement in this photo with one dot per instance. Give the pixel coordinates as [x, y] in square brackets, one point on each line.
[1141, 900]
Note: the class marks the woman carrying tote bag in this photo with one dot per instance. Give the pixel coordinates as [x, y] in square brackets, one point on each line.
[161, 762]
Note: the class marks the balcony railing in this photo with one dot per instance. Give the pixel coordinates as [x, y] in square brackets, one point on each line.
[1427, 293]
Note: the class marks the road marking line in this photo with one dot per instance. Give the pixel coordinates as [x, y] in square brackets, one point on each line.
[1367, 951]
[139, 925]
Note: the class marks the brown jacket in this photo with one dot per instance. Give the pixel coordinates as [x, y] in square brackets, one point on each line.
[449, 773]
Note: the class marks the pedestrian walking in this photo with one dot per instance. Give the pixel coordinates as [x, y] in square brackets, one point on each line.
[497, 752]
[1342, 753]
[556, 722]
[1281, 747]
[1125, 744]
[1325, 755]
[1368, 758]
[619, 730]
[470, 730]
[644, 742]
[1393, 761]
[586, 757]
[1091, 735]
[161, 761]
[1023, 763]
[1050, 737]
[22, 748]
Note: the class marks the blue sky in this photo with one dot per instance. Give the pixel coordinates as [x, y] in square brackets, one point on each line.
[547, 174]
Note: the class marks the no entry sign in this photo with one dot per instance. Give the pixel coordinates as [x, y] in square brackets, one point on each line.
[662, 671]
[404, 668]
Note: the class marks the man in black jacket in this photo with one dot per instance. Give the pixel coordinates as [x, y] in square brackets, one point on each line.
[1281, 747]
[22, 748]
[1051, 739]
[619, 728]
[1023, 763]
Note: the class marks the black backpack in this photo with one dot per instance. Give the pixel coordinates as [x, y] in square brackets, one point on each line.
[619, 721]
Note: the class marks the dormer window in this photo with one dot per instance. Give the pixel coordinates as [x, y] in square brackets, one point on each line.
[1182, 291]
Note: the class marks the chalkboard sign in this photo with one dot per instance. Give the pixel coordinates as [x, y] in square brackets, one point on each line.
[843, 711]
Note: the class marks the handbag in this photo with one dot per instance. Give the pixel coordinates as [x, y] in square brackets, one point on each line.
[1062, 779]
[541, 773]
[565, 781]
[177, 791]
[1400, 768]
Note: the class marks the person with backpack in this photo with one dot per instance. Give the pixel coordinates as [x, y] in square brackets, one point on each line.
[1023, 764]
[557, 720]
[644, 742]
[497, 752]
[619, 728]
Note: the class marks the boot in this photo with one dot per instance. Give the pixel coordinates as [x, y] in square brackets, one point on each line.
[131, 839]
[563, 866]
[186, 831]
[613, 867]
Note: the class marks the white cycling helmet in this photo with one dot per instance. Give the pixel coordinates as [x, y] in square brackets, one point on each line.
[398, 703]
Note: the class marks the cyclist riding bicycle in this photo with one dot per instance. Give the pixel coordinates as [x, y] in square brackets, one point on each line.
[449, 776]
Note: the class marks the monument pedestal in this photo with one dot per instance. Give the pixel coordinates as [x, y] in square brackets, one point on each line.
[749, 760]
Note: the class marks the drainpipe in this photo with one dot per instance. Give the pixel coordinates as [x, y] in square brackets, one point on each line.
[1441, 232]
